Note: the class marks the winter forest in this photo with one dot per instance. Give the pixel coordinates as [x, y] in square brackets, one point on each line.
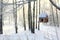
[29, 19]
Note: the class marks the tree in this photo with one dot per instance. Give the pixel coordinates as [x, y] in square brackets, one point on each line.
[24, 16]
[39, 14]
[29, 15]
[33, 27]
[15, 14]
[57, 17]
[1, 17]
[57, 7]
[36, 13]
[52, 14]
[54, 4]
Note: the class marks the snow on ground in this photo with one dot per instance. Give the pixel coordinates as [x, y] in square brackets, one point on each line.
[46, 32]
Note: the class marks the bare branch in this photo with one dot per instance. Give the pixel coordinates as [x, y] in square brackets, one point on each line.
[54, 4]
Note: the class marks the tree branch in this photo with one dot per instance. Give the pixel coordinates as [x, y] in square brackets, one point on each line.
[54, 4]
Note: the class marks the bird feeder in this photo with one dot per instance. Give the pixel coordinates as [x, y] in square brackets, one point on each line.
[43, 17]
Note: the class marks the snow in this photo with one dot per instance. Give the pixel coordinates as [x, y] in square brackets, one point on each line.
[46, 32]
[43, 15]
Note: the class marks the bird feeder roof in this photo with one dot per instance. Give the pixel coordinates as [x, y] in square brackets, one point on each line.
[43, 15]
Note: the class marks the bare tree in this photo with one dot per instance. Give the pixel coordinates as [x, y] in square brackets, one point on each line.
[57, 7]
[24, 16]
[39, 14]
[52, 14]
[36, 13]
[29, 15]
[1, 17]
[33, 27]
[15, 14]
[53, 17]
[54, 4]
[57, 17]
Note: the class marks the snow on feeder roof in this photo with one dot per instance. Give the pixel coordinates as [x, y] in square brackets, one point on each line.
[43, 15]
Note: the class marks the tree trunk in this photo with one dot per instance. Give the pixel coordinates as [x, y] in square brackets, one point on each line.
[57, 17]
[52, 14]
[33, 27]
[24, 16]
[15, 14]
[36, 13]
[1, 17]
[39, 14]
[29, 15]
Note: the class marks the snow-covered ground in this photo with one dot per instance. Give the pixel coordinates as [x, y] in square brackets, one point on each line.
[46, 32]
